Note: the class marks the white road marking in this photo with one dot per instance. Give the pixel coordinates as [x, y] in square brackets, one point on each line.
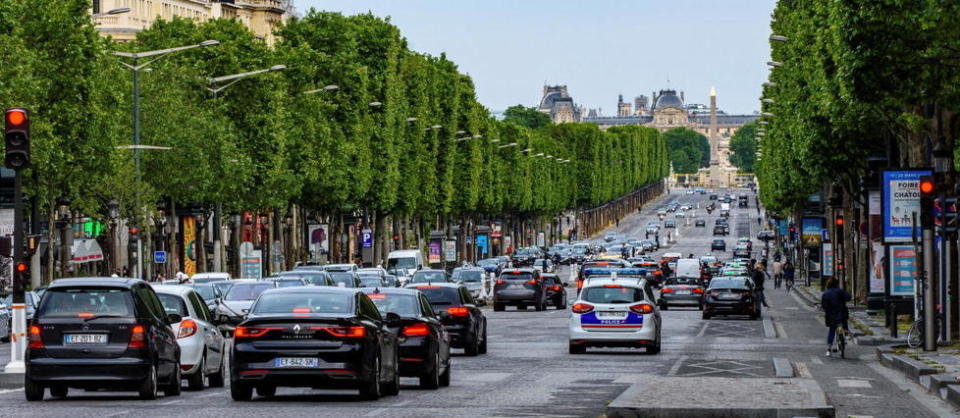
[704, 329]
[117, 414]
[10, 390]
[853, 383]
[374, 412]
[780, 331]
[676, 366]
[170, 402]
[816, 360]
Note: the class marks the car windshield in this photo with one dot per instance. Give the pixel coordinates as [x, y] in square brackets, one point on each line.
[343, 279]
[206, 292]
[314, 279]
[403, 305]
[579, 250]
[223, 287]
[428, 276]
[247, 291]
[488, 261]
[307, 302]
[616, 294]
[440, 295]
[173, 304]
[516, 276]
[402, 263]
[86, 302]
[468, 276]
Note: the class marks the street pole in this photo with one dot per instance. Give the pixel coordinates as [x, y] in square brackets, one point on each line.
[136, 158]
[929, 307]
[18, 335]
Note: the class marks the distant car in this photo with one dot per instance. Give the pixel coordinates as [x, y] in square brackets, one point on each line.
[544, 265]
[741, 251]
[719, 230]
[209, 293]
[471, 278]
[681, 291]
[236, 303]
[718, 245]
[290, 281]
[731, 296]
[713, 197]
[340, 267]
[556, 294]
[202, 347]
[463, 319]
[669, 223]
[209, 277]
[371, 280]
[519, 287]
[348, 279]
[661, 212]
[700, 223]
[315, 278]
[429, 276]
[679, 214]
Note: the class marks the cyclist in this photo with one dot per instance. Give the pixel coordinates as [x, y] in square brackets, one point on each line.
[788, 274]
[834, 302]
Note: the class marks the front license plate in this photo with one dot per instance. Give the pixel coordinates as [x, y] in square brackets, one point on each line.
[297, 362]
[84, 339]
[611, 315]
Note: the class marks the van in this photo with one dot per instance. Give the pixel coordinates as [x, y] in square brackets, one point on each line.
[404, 263]
[688, 267]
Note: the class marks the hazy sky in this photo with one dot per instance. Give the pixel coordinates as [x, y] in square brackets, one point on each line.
[598, 48]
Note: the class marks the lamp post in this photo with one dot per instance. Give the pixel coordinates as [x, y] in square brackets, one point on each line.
[135, 69]
[330, 87]
[116, 11]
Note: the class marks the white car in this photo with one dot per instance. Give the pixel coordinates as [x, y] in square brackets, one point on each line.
[680, 214]
[209, 277]
[615, 312]
[202, 347]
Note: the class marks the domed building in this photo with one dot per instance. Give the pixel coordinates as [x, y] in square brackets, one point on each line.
[668, 110]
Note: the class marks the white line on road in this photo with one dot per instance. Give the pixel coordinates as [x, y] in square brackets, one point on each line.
[703, 330]
[10, 390]
[676, 366]
[117, 414]
[802, 370]
[170, 402]
[816, 360]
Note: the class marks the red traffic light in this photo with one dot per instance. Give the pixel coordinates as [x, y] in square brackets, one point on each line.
[927, 186]
[134, 230]
[22, 267]
[16, 118]
[839, 220]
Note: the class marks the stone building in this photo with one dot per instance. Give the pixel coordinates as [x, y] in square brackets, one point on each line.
[261, 16]
[557, 103]
[623, 108]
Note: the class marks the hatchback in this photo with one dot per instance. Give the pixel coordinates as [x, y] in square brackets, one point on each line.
[612, 312]
[202, 348]
[686, 291]
[463, 320]
[519, 287]
[718, 245]
[731, 296]
[95, 333]
[556, 294]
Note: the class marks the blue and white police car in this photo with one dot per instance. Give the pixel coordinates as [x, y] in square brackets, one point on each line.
[614, 311]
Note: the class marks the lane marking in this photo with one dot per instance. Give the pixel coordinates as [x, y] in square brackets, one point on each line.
[375, 412]
[117, 414]
[816, 360]
[10, 390]
[704, 329]
[676, 366]
[170, 402]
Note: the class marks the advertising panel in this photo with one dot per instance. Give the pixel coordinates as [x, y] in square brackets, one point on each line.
[903, 270]
[811, 231]
[901, 199]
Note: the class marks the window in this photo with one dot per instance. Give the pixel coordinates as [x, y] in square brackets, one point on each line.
[612, 294]
[198, 306]
[173, 304]
[425, 306]
[308, 302]
[403, 305]
[368, 309]
[98, 301]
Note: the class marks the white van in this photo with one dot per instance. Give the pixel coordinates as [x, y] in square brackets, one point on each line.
[688, 267]
[404, 263]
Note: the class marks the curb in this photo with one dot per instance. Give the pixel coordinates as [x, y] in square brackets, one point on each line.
[11, 380]
[782, 367]
[944, 385]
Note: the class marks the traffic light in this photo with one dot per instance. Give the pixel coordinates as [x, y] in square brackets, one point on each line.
[838, 220]
[928, 189]
[17, 137]
[134, 232]
[22, 268]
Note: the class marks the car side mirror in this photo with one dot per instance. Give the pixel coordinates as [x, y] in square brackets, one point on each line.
[173, 318]
[392, 320]
[444, 315]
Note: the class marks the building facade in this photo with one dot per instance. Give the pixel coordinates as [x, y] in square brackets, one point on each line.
[557, 103]
[262, 17]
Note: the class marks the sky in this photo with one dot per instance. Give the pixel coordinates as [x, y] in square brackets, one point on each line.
[598, 48]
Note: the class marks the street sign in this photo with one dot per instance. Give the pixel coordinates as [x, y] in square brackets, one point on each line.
[160, 257]
[901, 199]
[827, 258]
[450, 251]
[367, 238]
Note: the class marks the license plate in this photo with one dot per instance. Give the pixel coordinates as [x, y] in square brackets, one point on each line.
[296, 362]
[84, 339]
[729, 296]
[683, 292]
[613, 315]
[516, 286]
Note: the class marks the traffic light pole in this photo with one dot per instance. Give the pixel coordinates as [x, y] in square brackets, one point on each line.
[18, 335]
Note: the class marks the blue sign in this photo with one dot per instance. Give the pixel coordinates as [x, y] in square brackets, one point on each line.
[901, 199]
[159, 257]
[367, 238]
[482, 243]
[783, 227]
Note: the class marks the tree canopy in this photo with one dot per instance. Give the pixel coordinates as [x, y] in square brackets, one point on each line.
[528, 117]
[743, 147]
[689, 150]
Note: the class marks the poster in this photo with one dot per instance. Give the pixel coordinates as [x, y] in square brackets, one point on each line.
[251, 262]
[434, 256]
[319, 239]
[367, 238]
[827, 259]
[901, 199]
[450, 250]
[877, 258]
[811, 231]
[189, 245]
[482, 244]
[903, 270]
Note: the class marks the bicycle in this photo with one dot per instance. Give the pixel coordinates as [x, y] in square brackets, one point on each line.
[915, 334]
[840, 340]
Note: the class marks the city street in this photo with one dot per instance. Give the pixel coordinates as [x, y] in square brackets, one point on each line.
[529, 372]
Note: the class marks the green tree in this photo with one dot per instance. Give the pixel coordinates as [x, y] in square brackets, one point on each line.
[689, 150]
[744, 147]
[528, 117]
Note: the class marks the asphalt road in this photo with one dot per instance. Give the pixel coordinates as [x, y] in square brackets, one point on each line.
[529, 372]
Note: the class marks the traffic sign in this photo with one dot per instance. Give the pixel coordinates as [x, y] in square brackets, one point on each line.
[367, 240]
[159, 257]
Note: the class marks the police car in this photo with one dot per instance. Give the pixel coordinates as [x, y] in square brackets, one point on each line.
[615, 311]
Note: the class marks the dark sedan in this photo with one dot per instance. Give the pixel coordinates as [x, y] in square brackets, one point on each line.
[556, 294]
[700, 223]
[718, 245]
[316, 337]
[94, 333]
[519, 287]
[687, 291]
[464, 321]
[731, 296]
[424, 342]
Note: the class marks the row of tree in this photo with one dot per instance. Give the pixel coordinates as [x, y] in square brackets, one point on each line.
[403, 137]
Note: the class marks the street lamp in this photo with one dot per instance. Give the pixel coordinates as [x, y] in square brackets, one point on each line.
[375, 104]
[775, 63]
[769, 84]
[411, 119]
[477, 136]
[116, 11]
[512, 144]
[494, 141]
[762, 122]
[461, 132]
[767, 100]
[234, 78]
[527, 150]
[779, 38]
[434, 127]
[330, 87]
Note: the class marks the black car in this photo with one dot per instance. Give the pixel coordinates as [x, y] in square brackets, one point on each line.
[424, 342]
[719, 230]
[741, 252]
[317, 337]
[525, 256]
[731, 296]
[347, 279]
[669, 223]
[315, 278]
[718, 245]
[464, 320]
[372, 280]
[681, 291]
[94, 333]
[519, 287]
[700, 223]
[713, 197]
[556, 294]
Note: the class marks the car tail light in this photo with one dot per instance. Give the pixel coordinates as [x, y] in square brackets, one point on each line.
[428, 287]
[501, 281]
[666, 290]
[658, 272]
[34, 337]
[698, 291]
[581, 308]
[579, 284]
[301, 310]
[345, 332]
[458, 311]
[416, 330]
[642, 308]
[612, 285]
[138, 337]
[188, 327]
[377, 296]
[252, 332]
[556, 287]
[532, 282]
[85, 314]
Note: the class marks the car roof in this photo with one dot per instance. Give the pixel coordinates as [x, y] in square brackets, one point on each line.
[436, 284]
[518, 270]
[208, 275]
[312, 289]
[118, 282]
[430, 271]
[622, 281]
[173, 289]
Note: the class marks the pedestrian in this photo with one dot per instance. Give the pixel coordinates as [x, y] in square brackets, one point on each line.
[759, 277]
[834, 302]
[788, 274]
[618, 222]
[125, 272]
[159, 278]
[777, 273]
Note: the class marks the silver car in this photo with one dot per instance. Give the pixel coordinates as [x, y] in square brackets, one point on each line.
[202, 347]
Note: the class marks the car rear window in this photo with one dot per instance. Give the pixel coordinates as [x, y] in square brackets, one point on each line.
[247, 291]
[403, 305]
[371, 281]
[206, 292]
[468, 276]
[438, 295]
[289, 283]
[328, 303]
[428, 276]
[516, 276]
[728, 284]
[612, 294]
[173, 304]
[346, 279]
[66, 302]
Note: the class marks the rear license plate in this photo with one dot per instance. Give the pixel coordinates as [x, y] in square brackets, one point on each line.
[612, 315]
[296, 362]
[84, 339]
[683, 292]
[516, 286]
[729, 296]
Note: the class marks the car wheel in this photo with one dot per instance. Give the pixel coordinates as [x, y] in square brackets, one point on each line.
[472, 347]
[148, 388]
[267, 391]
[577, 348]
[393, 388]
[706, 315]
[445, 376]
[539, 306]
[215, 380]
[431, 379]
[563, 303]
[497, 307]
[173, 388]
[664, 306]
[482, 349]
[59, 391]
[195, 380]
[240, 391]
[370, 390]
[32, 390]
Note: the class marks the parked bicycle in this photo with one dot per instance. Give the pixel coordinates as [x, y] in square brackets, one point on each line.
[916, 333]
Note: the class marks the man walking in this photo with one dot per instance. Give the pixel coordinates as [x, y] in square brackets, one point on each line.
[777, 273]
[759, 277]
